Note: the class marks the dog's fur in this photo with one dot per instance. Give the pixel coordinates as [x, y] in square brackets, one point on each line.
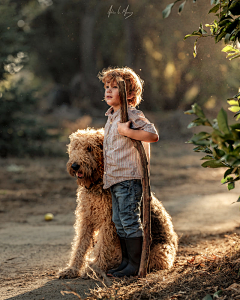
[96, 243]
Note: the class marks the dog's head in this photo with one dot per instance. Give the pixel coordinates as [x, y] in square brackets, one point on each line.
[86, 156]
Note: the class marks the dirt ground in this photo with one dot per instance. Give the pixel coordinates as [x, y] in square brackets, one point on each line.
[32, 250]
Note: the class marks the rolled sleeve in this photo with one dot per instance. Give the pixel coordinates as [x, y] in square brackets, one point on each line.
[139, 121]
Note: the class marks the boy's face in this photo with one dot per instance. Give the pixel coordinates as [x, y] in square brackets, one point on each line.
[112, 94]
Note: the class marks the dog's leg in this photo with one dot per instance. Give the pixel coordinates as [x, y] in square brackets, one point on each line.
[81, 243]
[107, 251]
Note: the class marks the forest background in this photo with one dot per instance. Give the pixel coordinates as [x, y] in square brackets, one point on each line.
[52, 51]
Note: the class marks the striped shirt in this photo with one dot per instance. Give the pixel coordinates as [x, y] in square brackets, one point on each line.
[121, 159]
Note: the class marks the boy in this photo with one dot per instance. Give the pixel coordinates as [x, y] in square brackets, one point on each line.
[122, 165]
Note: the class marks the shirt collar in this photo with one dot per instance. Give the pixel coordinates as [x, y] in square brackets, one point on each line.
[110, 111]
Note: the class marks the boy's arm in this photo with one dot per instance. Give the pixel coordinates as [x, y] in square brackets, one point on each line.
[136, 134]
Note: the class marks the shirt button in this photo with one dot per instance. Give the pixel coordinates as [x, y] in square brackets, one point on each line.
[105, 173]
[110, 122]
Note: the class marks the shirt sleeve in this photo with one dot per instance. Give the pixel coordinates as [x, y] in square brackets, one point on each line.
[139, 121]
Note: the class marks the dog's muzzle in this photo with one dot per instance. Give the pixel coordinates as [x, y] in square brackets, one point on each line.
[75, 167]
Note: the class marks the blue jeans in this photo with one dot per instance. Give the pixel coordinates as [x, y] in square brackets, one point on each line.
[126, 206]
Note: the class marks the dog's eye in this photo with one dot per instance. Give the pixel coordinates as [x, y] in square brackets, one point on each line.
[89, 148]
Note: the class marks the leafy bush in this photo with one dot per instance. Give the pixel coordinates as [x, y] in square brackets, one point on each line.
[222, 144]
[225, 27]
[20, 133]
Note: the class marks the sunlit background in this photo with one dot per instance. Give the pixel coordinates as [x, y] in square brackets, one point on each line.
[52, 51]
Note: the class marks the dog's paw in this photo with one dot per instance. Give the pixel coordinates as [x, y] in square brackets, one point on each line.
[68, 273]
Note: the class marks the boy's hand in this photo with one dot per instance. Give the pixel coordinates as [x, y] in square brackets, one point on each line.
[123, 128]
[139, 135]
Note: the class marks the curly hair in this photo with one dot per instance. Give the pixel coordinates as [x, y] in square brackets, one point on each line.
[134, 84]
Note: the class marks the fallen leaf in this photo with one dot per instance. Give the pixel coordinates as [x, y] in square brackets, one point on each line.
[234, 287]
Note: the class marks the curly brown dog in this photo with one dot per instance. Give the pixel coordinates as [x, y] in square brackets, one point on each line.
[96, 243]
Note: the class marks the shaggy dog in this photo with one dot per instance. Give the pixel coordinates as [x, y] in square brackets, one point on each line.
[96, 244]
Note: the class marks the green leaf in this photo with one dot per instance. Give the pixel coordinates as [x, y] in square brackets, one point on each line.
[201, 136]
[195, 33]
[238, 95]
[212, 164]
[237, 144]
[225, 21]
[195, 48]
[231, 55]
[231, 27]
[234, 57]
[229, 159]
[166, 12]
[217, 294]
[229, 48]
[235, 7]
[227, 38]
[220, 36]
[181, 6]
[231, 186]
[236, 163]
[199, 122]
[228, 172]
[223, 122]
[233, 102]
[225, 180]
[198, 111]
[202, 149]
[207, 297]
[201, 29]
[189, 112]
[207, 157]
[234, 109]
[218, 153]
[194, 123]
[214, 9]
[238, 200]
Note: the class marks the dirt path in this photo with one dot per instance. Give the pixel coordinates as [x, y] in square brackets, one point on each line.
[32, 250]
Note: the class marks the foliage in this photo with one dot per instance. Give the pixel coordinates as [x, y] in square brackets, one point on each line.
[222, 144]
[225, 27]
[20, 134]
[13, 40]
[56, 34]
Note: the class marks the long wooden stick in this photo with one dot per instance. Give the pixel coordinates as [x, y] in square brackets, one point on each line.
[145, 185]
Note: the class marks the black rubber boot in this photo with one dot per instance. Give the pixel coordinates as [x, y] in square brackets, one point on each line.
[124, 258]
[134, 249]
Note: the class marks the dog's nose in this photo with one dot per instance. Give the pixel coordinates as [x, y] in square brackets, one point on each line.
[75, 166]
